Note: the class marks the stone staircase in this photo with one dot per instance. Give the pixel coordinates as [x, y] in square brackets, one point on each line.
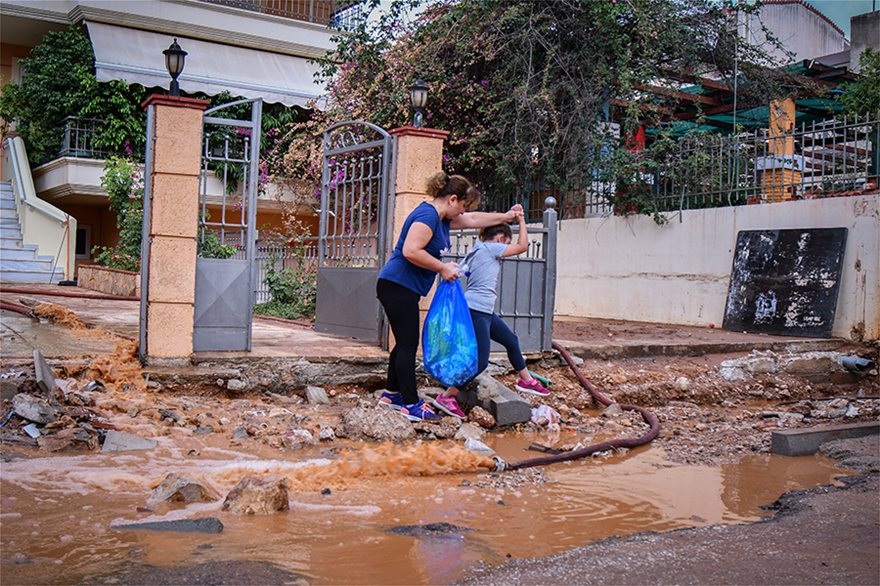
[20, 263]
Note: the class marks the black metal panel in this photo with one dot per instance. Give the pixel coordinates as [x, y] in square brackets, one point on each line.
[347, 303]
[785, 282]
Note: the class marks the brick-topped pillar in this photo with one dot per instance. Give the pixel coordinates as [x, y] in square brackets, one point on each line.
[419, 154]
[174, 142]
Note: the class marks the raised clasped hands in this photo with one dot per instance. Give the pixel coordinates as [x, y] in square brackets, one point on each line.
[515, 212]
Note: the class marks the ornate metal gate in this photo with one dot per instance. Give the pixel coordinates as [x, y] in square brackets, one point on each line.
[352, 236]
[225, 267]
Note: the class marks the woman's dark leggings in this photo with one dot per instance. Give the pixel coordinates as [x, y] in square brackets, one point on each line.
[488, 326]
[402, 309]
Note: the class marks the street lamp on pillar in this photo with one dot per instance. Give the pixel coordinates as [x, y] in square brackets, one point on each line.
[418, 97]
[174, 60]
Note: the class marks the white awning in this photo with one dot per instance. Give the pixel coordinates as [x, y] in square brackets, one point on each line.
[135, 56]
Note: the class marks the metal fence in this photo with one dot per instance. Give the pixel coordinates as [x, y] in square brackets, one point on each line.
[282, 256]
[818, 159]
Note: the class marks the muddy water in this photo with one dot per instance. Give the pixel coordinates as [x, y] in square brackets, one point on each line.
[58, 513]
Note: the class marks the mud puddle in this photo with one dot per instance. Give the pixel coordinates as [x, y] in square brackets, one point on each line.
[59, 513]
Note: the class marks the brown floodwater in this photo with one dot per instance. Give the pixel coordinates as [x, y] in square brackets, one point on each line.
[58, 513]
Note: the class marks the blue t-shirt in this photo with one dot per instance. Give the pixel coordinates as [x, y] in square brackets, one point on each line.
[483, 265]
[399, 270]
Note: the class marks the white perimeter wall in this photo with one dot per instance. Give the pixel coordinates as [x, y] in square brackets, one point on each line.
[630, 268]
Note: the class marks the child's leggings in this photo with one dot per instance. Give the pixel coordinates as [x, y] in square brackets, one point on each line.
[488, 326]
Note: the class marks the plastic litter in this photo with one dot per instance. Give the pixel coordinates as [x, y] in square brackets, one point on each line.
[31, 430]
[476, 446]
[449, 344]
[545, 415]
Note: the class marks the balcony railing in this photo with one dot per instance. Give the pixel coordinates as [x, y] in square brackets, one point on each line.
[80, 141]
[343, 14]
[830, 158]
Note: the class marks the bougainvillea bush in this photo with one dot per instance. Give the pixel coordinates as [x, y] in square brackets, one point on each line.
[523, 85]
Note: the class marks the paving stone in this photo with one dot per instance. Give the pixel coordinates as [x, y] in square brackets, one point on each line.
[506, 406]
[801, 442]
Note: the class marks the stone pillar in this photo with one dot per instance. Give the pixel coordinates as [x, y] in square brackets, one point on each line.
[418, 155]
[172, 212]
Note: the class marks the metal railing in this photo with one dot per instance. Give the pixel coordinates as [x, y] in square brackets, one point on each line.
[280, 257]
[81, 140]
[819, 159]
[336, 13]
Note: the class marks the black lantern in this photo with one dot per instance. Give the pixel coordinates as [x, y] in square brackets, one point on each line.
[174, 60]
[418, 97]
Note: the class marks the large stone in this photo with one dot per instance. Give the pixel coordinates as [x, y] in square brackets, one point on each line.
[505, 405]
[120, 441]
[34, 409]
[295, 439]
[481, 417]
[376, 422]
[177, 489]
[442, 429]
[257, 496]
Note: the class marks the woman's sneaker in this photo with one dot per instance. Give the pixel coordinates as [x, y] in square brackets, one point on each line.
[532, 387]
[448, 405]
[393, 400]
[419, 411]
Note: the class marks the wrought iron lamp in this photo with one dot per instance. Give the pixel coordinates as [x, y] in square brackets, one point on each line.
[174, 60]
[418, 97]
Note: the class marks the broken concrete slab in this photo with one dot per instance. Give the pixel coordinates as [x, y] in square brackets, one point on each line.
[120, 441]
[376, 422]
[317, 396]
[45, 374]
[201, 525]
[34, 409]
[801, 442]
[505, 405]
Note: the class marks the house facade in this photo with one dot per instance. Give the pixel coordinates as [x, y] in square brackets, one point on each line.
[247, 48]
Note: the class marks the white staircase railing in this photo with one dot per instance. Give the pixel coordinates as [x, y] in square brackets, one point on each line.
[42, 224]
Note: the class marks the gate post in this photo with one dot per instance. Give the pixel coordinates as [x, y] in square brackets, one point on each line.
[549, 285]
[171, 199]
[418, 154]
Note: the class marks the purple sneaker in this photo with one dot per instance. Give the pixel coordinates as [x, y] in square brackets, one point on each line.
[419, 411]
[393, 400]
[532, 387]
[448, 405]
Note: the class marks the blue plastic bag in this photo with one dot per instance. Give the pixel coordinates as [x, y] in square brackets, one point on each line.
[449, 344]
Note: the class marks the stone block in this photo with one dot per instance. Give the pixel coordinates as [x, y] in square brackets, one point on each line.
[202, 525]
[169, 330]
[172, 270]
[801, 442]
[505, 405]
[175, 205]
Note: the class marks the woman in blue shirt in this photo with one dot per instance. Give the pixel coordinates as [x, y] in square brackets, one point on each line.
[409, 274]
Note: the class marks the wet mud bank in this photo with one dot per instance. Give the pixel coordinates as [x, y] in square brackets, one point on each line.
[822, 535]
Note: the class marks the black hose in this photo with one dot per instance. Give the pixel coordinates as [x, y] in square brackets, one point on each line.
[648, 416]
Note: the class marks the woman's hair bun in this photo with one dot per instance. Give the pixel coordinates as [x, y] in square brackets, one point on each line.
[437, 183]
